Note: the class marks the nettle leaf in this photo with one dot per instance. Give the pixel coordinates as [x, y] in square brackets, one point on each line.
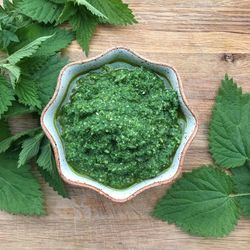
[27, 50]
[230, 126]
[241, 178]
[20, 192]
[30, 148]
[13, 71]
[113, 11]
[43, 72]
[6, 143]
[61, 39]
[27, 92]
[84, 23]
[43, 11]
[4, 130]
[58, 1]
[47, 75]
[92, 8]
[48, 169]
[200, 203]
[6, 95]
[18, 109]
[68, 11]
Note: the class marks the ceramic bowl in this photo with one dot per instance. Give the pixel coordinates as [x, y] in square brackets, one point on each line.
[48, 117]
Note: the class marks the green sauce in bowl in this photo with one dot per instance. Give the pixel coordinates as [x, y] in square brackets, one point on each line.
[120, 125]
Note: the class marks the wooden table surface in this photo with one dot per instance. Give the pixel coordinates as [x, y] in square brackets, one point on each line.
[202, 39]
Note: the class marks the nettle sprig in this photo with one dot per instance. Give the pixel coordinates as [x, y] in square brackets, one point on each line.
[29, 68]
[209, 201]
[83, 15]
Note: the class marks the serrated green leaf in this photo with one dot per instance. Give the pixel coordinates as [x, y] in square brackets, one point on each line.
[27, 92]
[43, 11]
[6, 143]
[114, 11]
[230, 126]
[6, 37]
[14, 73]
[27, 50]
[200, 203]
[68, 11]
[20, 192]
[6, 95]
[61, 39]
[47, 75]
[30, 148]
[58, 1]
[241, 178]
[92, 8]
[17, 109]
[48, 169]
[84, 23]
[4, 130]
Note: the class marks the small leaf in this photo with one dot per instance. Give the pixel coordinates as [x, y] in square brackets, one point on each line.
[18, 109]
[68, 11]
[5, 144]
[27, 92]
[241, 178]
[84, 23]
[61, 39]
[92, 8]
[13, 71]
[20, 192]
[230, 126]
[113, 11]
[40, 10]
[27, 51]
[200, 203]
[47, 75]
[6, 95]
[4, 130]
[30, 148]
[48, 169]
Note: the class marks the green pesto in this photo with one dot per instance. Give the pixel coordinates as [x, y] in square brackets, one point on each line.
[120, 126]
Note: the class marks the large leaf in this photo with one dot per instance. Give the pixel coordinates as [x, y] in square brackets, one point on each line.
[43, 11]
[27, 50]
[6, 95]
[19, 190]
[241, 178]
[200, 203]
[230, 126]
[113, 11]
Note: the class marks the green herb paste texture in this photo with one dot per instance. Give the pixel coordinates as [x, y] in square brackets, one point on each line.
[120, 126]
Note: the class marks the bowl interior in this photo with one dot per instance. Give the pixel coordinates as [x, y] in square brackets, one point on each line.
[48, 120]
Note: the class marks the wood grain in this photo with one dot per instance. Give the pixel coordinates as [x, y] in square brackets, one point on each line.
[202, 39]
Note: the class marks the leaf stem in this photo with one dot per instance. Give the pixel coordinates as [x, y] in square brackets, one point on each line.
[240, 195]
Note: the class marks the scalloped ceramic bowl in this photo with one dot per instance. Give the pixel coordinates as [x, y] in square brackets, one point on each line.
[71, 71]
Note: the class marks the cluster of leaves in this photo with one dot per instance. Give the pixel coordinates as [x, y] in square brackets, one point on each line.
[209, 201]
[29, 67]
[83, 15]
